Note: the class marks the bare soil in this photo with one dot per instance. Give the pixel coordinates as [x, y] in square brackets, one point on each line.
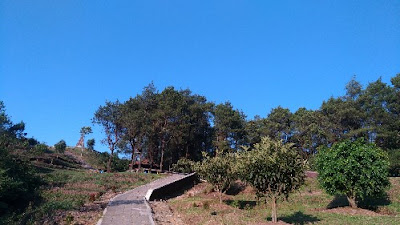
[164, 215]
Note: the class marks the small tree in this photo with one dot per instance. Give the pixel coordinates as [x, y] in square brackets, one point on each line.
[60, 146]
[85, 131]
[90, 144]
[274, 169]
[109, 117]
[353, 168]
[183, 165]
[219, 172]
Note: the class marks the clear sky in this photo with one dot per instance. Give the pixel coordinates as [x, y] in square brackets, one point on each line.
[61, 60]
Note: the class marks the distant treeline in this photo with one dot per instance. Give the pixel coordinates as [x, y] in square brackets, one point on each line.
[165, 126]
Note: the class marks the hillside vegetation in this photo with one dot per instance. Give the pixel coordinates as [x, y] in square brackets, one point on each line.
[46, 185]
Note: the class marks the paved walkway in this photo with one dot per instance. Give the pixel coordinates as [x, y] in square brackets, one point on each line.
[131, 208]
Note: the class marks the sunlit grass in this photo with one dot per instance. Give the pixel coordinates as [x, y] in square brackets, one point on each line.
[308, 206]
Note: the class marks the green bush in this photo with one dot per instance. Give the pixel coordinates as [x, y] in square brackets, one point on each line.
[183, 165]
[60, 146]
[218, 171]
[353, 168]
[40, 149]
[274, 169]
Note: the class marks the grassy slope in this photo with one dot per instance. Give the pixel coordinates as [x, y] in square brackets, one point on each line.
[72, 194]
[307, 206]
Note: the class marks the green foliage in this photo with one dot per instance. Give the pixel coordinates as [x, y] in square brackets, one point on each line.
[90, 144]
[218, 171]
[109, 117]
[273, 168]
[183, 165]
[40, 149]
[60, 146]
[85, 131]
[229, 128]
[353, 168]
[18, 183]
[394, 160]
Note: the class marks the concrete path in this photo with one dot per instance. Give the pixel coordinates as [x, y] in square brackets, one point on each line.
[131, 207]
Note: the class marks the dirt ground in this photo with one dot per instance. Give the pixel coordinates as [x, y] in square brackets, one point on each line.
[163, 214]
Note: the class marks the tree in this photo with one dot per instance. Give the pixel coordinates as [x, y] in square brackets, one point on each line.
[109, 117]
[167, 118]
[229, 125]
[354, 168]
[308, 131]
[19, 183]
[278, 124]
[274, 169]
[132, 120]
[85, 131]
[374, 102]
[218, 171]
[353, 89]
[10, 133]
[90, 144]
[60, 146]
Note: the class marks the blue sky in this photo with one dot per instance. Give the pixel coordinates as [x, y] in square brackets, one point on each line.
[61, 60]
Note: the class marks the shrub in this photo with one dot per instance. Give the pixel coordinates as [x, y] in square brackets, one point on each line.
[274, 169]
[219, 172]
[353, 168]
[60, 146]
[183, 165]
[40, 149]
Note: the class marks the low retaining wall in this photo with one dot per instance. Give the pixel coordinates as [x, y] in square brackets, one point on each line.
[173, 189]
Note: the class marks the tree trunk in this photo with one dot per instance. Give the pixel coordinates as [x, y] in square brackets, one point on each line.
[109, 161]
[274, 217]
[140, 158]
[133, 156]
[162, 159]
[352, 202]
[162, 155]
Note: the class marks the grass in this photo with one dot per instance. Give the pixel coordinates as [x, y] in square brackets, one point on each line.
[68, 190]
[77, 196]
[308, 206]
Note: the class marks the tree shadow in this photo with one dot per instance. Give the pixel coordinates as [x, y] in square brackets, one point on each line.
[241, 204]
[235, 188]
[370, 203]
[338, 201]
[298, 218]
[373, 203]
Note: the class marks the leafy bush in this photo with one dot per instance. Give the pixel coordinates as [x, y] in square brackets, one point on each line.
[60, 146]
[355, 169]
[218, 171]
[40, 149]
[183, 165]
[274, 169]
